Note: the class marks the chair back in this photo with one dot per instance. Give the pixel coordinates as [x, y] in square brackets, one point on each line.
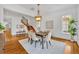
[34, 36]
[48, 37]
[24, 21]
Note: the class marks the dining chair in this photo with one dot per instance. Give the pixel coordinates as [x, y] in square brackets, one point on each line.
[35, 39]
[30, 36]
[48, 39]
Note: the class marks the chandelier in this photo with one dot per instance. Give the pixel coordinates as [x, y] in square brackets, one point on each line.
[38, 17]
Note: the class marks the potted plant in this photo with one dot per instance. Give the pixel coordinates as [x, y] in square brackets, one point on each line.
[72, 27]
[2, 27]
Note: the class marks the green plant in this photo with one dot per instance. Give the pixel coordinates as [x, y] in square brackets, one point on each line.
[1, 27]
[71, 27]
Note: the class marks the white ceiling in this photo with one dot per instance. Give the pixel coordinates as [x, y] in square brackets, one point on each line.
[46, 8]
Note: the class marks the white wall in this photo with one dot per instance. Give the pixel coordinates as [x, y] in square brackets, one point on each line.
[57, 21]
[15, 19]
[15, 13]
[78, 23]
[1, 13]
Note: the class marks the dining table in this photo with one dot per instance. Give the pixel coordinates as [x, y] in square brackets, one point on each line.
[42, 34]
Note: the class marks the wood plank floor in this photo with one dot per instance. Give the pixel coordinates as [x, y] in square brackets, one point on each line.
[13, 47]
[71, 47]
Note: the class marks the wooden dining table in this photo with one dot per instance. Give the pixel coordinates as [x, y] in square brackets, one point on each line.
[42, 35]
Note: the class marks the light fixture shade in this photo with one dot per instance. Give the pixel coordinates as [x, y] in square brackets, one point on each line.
[38, 18]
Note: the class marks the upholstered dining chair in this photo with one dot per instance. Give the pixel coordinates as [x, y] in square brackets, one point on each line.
[33, 38]
[31, 29]
[29, 35]
[48, 39]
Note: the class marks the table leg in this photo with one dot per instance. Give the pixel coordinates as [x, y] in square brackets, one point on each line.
[42, 43]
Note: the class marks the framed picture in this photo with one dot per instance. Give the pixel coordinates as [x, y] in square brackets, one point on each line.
[49, 24]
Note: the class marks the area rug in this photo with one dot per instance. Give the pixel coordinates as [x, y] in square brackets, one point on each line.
[56, 47]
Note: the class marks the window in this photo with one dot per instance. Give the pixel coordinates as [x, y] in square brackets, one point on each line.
[65, 24]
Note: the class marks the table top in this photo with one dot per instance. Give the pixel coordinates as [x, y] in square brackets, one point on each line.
[42, 33]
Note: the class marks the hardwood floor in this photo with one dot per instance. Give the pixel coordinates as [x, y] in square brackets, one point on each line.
[71, 47]
[13, 47]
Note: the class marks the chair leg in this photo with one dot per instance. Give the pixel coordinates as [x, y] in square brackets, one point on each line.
[28, 39]
[35, 43]
[31, 41]
[47, 45]
[40, 42]
[39, 39]
[49, 42]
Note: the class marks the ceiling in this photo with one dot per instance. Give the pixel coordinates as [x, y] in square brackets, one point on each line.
[46, 8]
